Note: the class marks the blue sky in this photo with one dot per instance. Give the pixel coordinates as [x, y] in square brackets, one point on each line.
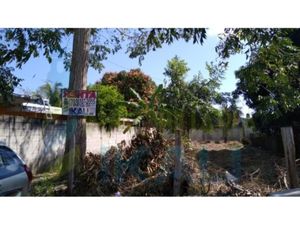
[37, 71]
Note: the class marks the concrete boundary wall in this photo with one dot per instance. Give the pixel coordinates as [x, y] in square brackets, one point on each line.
[234, 134]
[40, 142]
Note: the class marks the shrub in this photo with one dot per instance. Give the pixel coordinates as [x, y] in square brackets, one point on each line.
[110, 106]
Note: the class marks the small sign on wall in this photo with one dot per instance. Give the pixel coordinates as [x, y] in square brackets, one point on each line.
[79, 103]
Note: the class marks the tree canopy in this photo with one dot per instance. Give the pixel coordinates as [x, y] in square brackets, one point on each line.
[135, 79]
[8, 82]
[175, 72]
[270, 80]
[192, 101]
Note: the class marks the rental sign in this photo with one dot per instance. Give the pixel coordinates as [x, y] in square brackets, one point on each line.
[79, 103]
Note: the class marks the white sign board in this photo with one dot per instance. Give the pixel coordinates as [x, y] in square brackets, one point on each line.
[79, 103]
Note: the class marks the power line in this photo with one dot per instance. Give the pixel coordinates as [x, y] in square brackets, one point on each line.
[117, 65]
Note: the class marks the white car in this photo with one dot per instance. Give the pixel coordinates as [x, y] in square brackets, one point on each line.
[15, 176]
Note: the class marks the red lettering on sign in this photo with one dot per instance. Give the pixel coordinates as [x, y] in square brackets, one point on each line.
[79, 94]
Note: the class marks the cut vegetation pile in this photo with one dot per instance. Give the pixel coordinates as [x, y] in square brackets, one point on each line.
[124, 168]
[146, 166]
[254, 171]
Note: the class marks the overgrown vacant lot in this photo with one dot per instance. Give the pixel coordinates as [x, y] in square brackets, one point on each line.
[205, 171]
[259, 171]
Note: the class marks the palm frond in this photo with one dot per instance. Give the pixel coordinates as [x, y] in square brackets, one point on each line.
[136, 94]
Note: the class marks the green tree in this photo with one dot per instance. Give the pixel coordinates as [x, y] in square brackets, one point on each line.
[175, 92]
[110, 106]
[205, 92]
[192, 101]
[272, 91]
[269, 82]
[8, 82]
[53, 93]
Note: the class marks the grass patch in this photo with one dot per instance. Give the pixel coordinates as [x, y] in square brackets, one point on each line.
[44, 184]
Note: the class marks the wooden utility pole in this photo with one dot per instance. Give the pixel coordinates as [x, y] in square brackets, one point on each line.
[289, 151]
[76, 127]
[177, 170]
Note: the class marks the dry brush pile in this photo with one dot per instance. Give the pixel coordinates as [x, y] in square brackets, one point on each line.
[256, 171]
[145, 168]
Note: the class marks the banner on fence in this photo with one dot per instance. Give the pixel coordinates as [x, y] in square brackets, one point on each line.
[79, 103]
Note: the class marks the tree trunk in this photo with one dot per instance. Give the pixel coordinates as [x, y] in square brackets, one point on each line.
[76, 127]
[225, 134]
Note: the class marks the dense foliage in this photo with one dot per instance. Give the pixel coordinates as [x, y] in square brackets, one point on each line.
[135, 79]
[151, 113]
[110, 106]
[8, 81]
[270, 80]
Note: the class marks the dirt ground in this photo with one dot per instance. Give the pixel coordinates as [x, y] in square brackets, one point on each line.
[217, 145]
[258, 171]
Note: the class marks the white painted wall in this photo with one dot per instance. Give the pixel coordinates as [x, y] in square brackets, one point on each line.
[99, 140]
[215, 134]
[40, 142]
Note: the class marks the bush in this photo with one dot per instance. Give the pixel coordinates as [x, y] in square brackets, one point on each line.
[110, 106]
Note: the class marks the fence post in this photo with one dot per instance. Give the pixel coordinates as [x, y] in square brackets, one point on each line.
[177, 170]
[289, 151]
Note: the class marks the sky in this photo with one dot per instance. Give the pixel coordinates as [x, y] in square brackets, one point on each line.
[37, 71]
